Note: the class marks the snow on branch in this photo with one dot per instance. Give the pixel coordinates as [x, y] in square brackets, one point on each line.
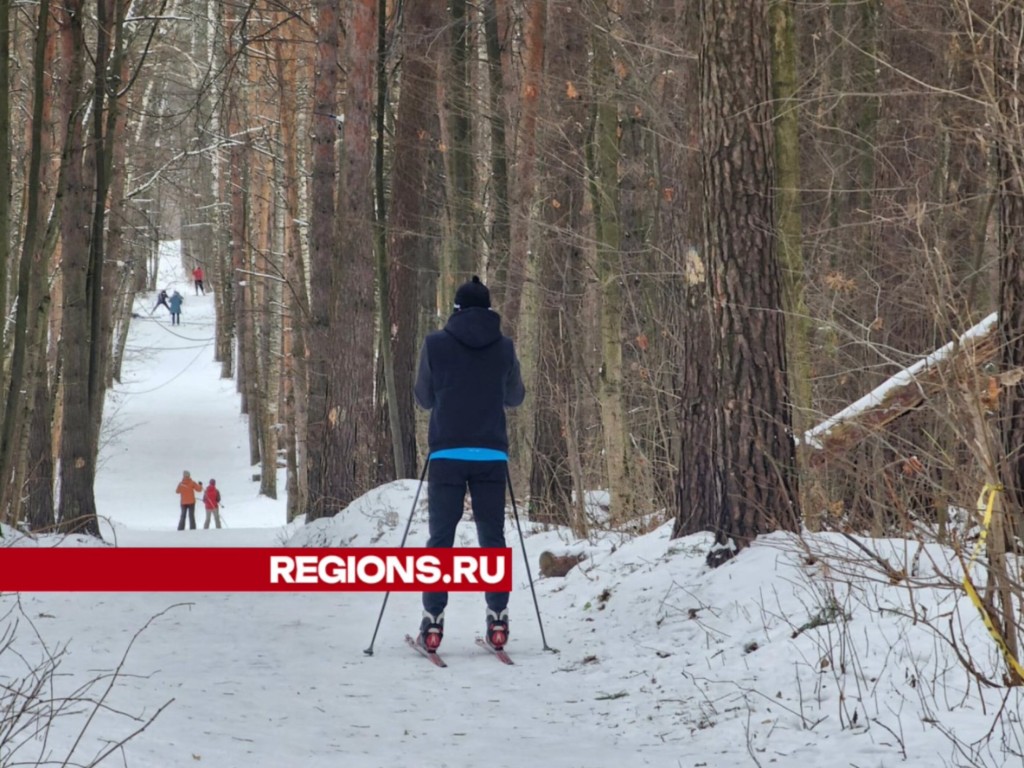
[902, 391]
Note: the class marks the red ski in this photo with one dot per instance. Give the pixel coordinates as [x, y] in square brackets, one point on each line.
[503, 657]
[432, 655]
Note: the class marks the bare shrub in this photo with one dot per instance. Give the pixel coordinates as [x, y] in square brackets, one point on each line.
[41, 723]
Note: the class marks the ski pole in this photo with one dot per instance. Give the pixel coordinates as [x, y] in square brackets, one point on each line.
[526, 560]
[423, 474]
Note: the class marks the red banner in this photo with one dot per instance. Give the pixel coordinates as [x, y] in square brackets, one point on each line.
[174, 569]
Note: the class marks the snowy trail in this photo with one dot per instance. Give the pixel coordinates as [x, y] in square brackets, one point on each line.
[278, 680]
[281, 680]
[173, 412]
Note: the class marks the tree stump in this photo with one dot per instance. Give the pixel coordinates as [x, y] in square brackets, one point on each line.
[558, 565]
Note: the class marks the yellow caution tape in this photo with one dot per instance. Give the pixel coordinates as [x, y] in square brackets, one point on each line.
[990, 490]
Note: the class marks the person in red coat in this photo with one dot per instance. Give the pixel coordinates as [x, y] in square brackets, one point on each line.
[187, 491]
[211, 500]
[197, 276]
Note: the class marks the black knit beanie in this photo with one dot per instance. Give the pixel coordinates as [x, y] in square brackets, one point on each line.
[472, 294]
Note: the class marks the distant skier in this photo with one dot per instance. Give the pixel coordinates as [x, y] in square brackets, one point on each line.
[175, 308]
[211, 500]
[468, 374]
[197, 277]
[161, 298]
[187, 491]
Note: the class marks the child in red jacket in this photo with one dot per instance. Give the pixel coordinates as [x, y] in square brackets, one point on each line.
[211, 500]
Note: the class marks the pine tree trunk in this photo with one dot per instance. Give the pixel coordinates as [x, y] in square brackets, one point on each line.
[115, 264]
[564, 172]
[674, 230]
[389, 464]
[462, 204]
[411, 232]
[208, 233]
[31, 275]
[108, 128]
[325, 489]
[751, 440]
[526, 162]
[498, 247]
[38, 506]
[77, 504]
[355, 311]
[295, 299]
[229, 193]
[268, 332]
[5, 172]
[124, 248]
[250, 291]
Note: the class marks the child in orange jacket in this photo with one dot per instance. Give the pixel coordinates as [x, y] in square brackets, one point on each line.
[187, 491]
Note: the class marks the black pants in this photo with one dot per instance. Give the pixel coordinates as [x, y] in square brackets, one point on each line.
[446, 491]
[190, 510]
[199, 287]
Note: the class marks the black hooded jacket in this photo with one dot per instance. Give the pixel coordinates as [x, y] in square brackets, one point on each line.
[468, 374]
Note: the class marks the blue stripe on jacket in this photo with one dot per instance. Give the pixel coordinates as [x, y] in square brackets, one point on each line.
[470, 454]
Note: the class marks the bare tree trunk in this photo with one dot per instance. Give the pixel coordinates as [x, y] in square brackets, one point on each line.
[5, 174]
[207, 231]
[122, 321]
[462, 185]
[752, 439]
[522, 207]
[108, 127]
[246, 204]
[325, 487]
[77, 504]
[31, 273]
[230, 195]
[790, 227]
[411, 232]
[354, 312]
[268, 360]
[295, 300]
[499, 182]
[606, 160]
[1009, 120]
[134, 278]
[116, 267]
[389, 464]
[560, 262]
[700, 482]
[38, 505]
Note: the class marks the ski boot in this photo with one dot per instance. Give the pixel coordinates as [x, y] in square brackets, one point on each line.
[497, 628]
[431, 631]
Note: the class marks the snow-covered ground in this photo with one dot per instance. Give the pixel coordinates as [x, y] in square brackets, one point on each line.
[780, 657]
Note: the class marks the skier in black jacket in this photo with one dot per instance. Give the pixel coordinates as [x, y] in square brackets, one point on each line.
[161, 298]
[468, 374]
